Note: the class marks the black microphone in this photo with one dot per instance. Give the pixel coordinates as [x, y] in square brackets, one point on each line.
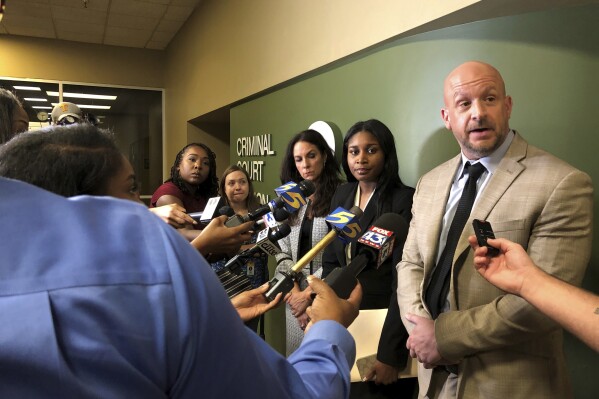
[226, 210]
[290, 195]
[271, 219]
[374, 247]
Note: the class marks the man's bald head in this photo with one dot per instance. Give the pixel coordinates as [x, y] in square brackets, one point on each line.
[477, 110]
[471, 71]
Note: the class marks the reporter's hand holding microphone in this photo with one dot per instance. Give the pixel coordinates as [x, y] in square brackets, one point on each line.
[328, 306]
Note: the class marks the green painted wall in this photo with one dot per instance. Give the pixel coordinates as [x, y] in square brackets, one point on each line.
[550, 62]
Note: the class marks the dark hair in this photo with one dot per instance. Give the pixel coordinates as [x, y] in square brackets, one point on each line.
[329, 179]
[389, 178]
[8, 103]
[209, 187]
[66, 160]
[251, 202]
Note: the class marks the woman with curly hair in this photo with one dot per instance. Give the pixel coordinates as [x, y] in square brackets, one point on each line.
[308, 156]
[192, 182]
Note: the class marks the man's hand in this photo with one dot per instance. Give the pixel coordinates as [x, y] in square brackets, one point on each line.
[328, 306]
[509, 270]
[382, 373]
[218, 238]
[422, 343]
[173, 214]
[252, 303]
[298, 301]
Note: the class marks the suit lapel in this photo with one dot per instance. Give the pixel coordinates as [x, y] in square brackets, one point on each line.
[436, 211]
[508, 170]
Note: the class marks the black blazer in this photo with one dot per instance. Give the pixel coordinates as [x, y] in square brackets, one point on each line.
[379, 285]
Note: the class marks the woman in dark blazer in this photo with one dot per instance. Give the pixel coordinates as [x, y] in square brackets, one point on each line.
[370, 164]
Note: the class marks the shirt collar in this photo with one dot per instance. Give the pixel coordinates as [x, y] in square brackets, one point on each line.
[492, 161]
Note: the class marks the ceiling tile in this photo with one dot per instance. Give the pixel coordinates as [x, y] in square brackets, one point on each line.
[192, 3]
[24, 23]
[23, 9]
[169, 26]
[88, 37]
[113, 32]
[79, 14]
[100, 5]
[138, 8]
[165, 2]
[176, 13]
[28, 3]
[132, 21]
[66, 27]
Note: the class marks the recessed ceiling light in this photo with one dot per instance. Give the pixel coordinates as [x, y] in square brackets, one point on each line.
[81, 95]
[30, 88]
[35, 99]
[94, 106]
[41, 107]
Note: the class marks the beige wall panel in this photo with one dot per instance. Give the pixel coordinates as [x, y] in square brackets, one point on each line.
[231, 49]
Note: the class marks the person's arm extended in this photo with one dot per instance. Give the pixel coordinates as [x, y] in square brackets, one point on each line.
[186, 231]
[513, 271]
[173, 214]
[218, 238]
[252, 303]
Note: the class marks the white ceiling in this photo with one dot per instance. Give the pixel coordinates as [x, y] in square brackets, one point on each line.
[147, 24]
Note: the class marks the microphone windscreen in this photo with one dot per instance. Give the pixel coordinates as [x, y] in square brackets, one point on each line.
[280, 214]
[356, 211]
[308, 188]
[396, 223]
[226, 210]
[283, 231]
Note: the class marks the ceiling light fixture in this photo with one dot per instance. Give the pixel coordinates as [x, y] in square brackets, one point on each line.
[28, 88]
[33, 99]
[89, 106]
[82, 95]
[41, 107]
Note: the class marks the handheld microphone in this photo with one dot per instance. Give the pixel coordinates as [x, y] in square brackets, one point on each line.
[226, 210]
[292, 196]
[267, 239]
[271, 219]
[344, 225]
[231, 276]
[374, 247]
[236, 220]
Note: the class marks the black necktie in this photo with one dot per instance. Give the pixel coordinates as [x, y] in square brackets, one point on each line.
[438, 288]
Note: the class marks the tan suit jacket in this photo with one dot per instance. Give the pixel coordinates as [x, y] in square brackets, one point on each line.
[503, 346]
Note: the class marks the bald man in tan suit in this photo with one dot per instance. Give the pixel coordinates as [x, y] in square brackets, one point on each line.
[499, 345]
